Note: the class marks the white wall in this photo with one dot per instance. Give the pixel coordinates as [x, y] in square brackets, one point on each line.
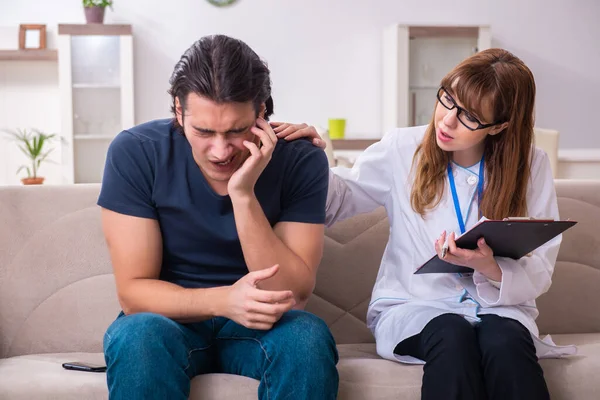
[560, 41]
[28, 99]
[325, 55]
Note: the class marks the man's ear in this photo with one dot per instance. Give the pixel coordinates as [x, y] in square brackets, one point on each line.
[498, 128]
[262, 110]
[178, 111]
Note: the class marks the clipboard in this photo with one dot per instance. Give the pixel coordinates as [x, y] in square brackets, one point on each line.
[511, 238]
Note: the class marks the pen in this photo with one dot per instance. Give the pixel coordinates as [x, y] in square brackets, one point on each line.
[445, 247]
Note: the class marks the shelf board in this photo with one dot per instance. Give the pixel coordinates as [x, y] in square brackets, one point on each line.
[94, 29]
[88, 136]
[443, 31]
[29, 55]
[352, 144]
[95, 86]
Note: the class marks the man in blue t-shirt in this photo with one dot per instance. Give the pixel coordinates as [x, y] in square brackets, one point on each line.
[215, 231]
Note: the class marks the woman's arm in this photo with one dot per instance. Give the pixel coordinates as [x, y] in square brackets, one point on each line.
[365, 186]
[529, 277]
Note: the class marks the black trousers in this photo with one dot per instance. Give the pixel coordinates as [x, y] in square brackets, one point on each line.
[493, 360]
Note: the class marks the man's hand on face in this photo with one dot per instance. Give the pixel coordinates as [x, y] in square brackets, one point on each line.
[255, 308]
[243, 180]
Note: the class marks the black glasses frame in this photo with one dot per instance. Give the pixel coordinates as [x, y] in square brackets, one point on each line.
[460, 110]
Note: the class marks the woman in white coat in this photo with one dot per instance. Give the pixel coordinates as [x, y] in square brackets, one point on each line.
[476, 333]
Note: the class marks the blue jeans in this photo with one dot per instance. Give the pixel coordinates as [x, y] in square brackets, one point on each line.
[149, 356]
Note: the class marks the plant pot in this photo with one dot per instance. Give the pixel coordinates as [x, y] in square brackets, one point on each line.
[33, 181]
[94, 15]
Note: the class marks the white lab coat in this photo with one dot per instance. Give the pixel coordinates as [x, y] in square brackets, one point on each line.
[403, 303]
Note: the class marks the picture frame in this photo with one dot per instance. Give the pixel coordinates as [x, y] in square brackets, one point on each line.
[32, 37]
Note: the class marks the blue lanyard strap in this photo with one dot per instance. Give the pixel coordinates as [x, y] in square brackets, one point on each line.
[459, 216]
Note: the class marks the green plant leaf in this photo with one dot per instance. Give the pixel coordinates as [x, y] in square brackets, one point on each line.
[24, 150]
[32, 144]
[21, 168]
[43, 157]
[97, 3]
[40, 144]
[30, 150]
[35, 146]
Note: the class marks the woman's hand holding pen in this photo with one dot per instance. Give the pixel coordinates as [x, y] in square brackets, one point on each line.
[481, 259]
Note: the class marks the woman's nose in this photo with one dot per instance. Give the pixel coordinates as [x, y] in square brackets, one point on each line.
[451, 117]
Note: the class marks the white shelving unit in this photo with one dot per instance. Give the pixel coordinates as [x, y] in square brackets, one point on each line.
[415, 59]
[95, 86]
[96, 90]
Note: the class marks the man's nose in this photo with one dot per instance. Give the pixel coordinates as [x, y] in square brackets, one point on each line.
[221, 148]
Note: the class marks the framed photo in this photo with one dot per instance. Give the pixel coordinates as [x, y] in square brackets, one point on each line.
[32, 37]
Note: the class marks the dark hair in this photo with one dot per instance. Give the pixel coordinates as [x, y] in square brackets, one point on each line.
[223, 70]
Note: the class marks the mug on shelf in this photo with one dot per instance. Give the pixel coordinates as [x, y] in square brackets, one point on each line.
[337, 128]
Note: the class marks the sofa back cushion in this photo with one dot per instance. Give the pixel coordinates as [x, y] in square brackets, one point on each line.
[570, 306]
[57, 292]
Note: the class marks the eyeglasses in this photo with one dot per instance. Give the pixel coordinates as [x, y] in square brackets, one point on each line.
[465, 117]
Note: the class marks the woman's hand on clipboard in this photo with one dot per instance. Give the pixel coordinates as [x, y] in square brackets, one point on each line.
[481, 259]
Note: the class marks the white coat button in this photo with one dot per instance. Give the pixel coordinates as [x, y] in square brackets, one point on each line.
[472, 180]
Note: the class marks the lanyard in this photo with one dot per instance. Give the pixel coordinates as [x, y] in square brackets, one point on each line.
[459, 216]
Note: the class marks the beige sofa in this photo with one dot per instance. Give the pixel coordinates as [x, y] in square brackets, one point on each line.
[57, 297]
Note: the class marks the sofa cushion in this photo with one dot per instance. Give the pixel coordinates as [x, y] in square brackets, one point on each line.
[363, 376]
[574, 377]
[54, 266]
[57, 292]
[577, 273]
[366, 376]
[41, 376]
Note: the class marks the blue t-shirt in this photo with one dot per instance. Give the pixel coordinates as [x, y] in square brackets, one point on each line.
[150, 173]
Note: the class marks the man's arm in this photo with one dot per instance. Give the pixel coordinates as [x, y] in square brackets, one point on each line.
[296, 247]
[296, 242]
[135, 246]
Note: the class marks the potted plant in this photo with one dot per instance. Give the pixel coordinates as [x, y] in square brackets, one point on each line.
[94, 10]
[32, 144]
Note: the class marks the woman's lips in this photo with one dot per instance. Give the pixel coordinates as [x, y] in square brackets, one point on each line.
[444, 137]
